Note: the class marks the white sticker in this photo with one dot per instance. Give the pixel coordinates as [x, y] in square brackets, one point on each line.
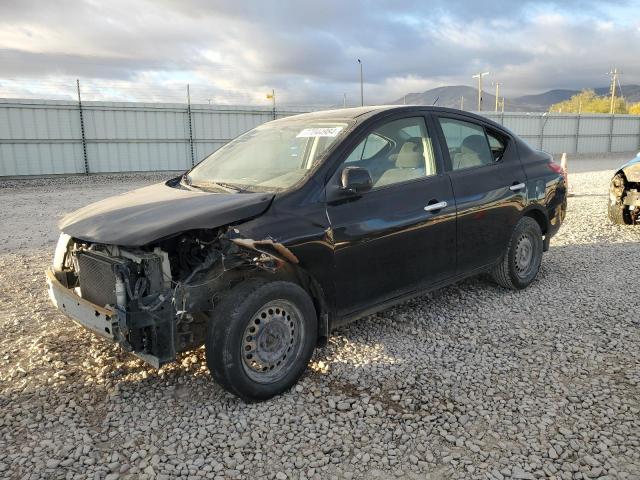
[319, 132]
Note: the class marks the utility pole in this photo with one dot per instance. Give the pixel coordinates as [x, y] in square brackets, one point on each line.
[361, 85]
[479, 77]
[497, 95]
[614, 78]
[502, 103]
[344, 100]
[462, 102]
[404, 100]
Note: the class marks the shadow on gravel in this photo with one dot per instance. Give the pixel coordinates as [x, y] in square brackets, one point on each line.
[575, 278]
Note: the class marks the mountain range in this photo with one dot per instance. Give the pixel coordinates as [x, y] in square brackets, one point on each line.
[451, 96]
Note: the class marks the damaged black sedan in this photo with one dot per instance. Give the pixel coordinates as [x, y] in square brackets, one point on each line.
[299, 226]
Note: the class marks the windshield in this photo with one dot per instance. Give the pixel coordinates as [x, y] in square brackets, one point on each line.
[269, 158]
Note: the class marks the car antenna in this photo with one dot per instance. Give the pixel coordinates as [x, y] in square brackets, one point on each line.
[435, 101]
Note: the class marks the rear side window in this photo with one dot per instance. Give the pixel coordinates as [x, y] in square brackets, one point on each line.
[467, 144]
[497, 143]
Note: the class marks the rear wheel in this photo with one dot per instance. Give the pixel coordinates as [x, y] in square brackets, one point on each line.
[260, 338]
[521, 262]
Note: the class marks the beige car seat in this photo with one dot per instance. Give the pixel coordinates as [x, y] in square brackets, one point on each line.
[410, 164]
[473, 153]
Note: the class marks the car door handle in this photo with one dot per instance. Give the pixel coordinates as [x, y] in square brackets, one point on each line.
[435, 206]
[517, 186]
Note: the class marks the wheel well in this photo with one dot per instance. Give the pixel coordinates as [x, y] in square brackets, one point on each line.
[294, 274]
[539, 217]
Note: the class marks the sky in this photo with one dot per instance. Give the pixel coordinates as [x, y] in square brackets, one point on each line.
[236, 51]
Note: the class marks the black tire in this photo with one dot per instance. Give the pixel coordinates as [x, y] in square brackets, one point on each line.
[615, 208]
[252, 332]
[617, 214]
[514, 271]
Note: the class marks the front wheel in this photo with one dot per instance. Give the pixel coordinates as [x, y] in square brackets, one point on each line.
[521, 262]
[260, 338]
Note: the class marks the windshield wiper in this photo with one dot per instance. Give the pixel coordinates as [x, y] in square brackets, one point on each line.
[229, 187]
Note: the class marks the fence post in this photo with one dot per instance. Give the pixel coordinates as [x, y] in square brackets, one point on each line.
[577, 132]
[84, 139]
[543, 122]
[190, 125]
[611, 133]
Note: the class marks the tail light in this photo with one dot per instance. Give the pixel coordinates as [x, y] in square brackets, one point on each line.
[554, 167]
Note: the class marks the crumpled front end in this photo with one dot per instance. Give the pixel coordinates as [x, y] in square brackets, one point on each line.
[154, 300]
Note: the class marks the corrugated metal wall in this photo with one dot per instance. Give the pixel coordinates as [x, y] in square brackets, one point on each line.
[557, 133]
[40, 137]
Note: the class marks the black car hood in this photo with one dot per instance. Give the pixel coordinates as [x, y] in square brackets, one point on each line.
[141, 216]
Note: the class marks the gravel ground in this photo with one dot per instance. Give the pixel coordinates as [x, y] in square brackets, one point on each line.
[472, 381]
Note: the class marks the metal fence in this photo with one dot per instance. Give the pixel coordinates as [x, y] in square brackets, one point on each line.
[571, 133]
[41, 137]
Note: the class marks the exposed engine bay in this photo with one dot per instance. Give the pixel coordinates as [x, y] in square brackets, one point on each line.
[624, 200]
[159, 295]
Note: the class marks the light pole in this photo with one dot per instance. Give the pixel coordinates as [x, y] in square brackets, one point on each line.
[479, 77]
[361, 85]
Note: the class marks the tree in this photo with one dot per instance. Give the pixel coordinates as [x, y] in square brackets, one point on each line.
[588, 102]
[634, 108]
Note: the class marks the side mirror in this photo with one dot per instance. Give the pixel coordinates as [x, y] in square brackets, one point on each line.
[356, 180]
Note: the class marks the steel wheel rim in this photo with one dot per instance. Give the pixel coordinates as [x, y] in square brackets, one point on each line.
[524, 255]
[272, 341]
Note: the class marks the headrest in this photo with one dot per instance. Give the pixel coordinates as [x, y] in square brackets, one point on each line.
[477, 144]
[411, 154]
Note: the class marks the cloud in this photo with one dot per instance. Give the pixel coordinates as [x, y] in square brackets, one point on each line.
[236, 51]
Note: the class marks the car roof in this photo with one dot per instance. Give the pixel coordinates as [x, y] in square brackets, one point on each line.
[361, 113]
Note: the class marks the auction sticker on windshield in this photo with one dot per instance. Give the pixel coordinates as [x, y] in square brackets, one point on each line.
[319, 132]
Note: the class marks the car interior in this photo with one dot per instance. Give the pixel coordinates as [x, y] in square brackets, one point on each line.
[471, 145]
[395, 152]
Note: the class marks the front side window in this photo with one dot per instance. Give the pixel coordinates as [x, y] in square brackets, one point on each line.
[368, 148]
[467, 144]
[395, 152]
[272, 157]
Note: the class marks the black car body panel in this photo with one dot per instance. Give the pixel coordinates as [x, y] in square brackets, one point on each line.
[141, 216]
[354, 253]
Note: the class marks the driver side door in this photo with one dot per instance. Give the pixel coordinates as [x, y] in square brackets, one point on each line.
[399, 236]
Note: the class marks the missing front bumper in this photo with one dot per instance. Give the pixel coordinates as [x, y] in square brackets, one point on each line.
[119, 327]
[101, 321]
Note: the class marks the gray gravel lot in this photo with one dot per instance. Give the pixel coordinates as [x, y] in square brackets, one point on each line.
[472, 381]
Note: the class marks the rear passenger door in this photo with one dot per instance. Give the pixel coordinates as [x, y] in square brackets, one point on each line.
[489, 185]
